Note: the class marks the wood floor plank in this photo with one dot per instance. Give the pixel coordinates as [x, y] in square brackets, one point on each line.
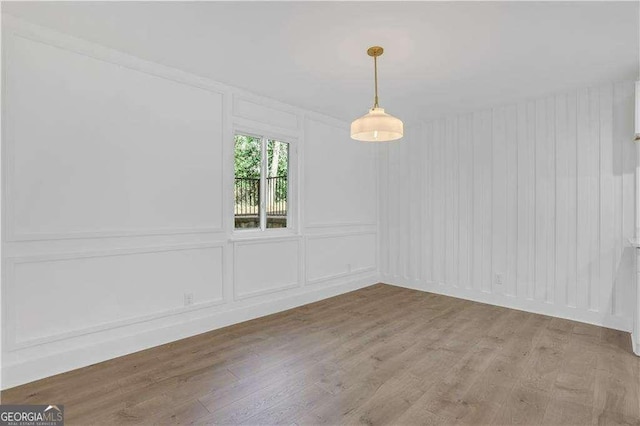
[545, 361]
[575, 383]
[291, 409]
[377, 356]
[561, 412]
[393, 398]
[265, 398]
[524, 406]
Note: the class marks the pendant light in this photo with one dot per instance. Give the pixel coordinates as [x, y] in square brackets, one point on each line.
[376, 125]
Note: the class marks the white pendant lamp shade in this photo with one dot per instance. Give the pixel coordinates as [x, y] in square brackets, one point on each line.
[377, 126]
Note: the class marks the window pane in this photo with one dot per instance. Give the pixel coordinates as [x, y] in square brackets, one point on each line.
[277, 183]
[247, 181]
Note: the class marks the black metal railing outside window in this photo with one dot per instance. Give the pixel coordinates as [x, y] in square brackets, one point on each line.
[247, 201]
[276, 196]
[247, 194]
[261, 182]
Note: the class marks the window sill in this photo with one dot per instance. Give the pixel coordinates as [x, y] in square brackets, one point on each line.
[240, 236]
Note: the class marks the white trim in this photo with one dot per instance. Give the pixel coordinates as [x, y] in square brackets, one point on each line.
[19, 237]
[528, 305]
[330, 277]
[259, 236]
[81, 348]
[268, 103]
[328, 120]
[378, 223]
[45, 35]
[268, 240]
[262, 189]
[340, 224]
[635, 329]
[16, 26]
[635, 345]
[340, 275]
[340, 234]
[242, 296]
[260, 128]
[292, 186]
[21, 29]
[635, 308]
[23, 372]
[299, 195]
[236, 111]
[3, 204]
[13, 344]
[334, 122]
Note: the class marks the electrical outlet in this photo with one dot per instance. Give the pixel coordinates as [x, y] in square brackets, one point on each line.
[498, 279]
[188, 299]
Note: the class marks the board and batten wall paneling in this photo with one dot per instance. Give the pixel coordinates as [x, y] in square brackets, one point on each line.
[528, 205]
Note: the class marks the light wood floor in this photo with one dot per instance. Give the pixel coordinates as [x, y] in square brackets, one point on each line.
[381, 355]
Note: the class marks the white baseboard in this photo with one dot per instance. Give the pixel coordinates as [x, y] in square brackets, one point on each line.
[34, 369]
[527, 305]
[635, 344]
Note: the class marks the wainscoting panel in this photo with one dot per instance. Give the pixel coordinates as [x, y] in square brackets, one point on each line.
[119, 201]
[527, 205]
[109, 155]
[266, 266]
[339, 175]
[334, 256]
[80, 293]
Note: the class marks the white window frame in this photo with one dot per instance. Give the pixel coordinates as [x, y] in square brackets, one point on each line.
[292, 185]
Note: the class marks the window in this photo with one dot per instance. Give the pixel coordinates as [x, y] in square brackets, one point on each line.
[261, 188]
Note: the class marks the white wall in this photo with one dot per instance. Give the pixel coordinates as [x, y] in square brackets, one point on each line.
[118, 190]
[117, 184]
[541, 192]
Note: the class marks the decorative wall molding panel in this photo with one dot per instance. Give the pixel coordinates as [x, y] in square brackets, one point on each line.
[163, 186]
[69, 355]
[334, 256]
[341, 224]
[92, 189]
[527, 205]
[89, 288]
[266, 266]
[339, 191]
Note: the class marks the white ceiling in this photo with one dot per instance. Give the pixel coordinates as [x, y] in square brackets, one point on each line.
[439, 57]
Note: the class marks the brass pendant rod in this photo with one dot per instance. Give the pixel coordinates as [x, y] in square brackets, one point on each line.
[375, 66]
[375, 51]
